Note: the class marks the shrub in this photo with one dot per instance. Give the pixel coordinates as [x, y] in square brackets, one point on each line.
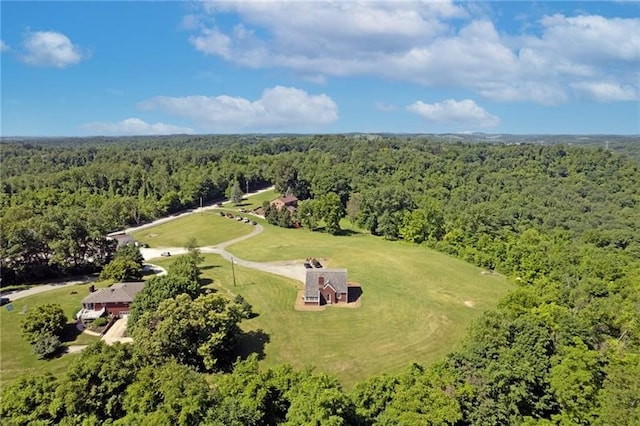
[100, 322]
[46, 346]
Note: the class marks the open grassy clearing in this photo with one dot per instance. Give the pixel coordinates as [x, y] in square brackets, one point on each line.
[416, 303]
[254, 201]
[208, 228]
[16, 355]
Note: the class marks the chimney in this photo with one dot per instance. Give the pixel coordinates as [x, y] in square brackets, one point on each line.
[320, 281]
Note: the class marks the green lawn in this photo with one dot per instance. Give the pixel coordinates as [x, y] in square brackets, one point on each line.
[208, 228]
[415, 306]
[255, 201]
[416, 303]
[16, 355]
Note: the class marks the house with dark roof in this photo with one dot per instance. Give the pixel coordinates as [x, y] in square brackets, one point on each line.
[288, 202]
[122, 238]
[325, 286]
[113, 301]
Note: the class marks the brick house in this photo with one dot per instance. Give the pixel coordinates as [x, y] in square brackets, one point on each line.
[289, 202]
[325, 286]
[113, 301]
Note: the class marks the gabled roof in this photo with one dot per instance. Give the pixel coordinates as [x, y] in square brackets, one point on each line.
[117, 293]
[287, 199]
[336, 278]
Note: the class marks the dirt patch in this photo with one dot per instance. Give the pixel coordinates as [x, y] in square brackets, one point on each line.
[469, 303]
[75, 348]
[151, 235]
[300, 306]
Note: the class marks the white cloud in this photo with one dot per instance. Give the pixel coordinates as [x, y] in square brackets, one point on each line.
[133, 126]
[4, 47]
[50, 49]
[278, 108]
[608, 92]
[436, 44]
[464, 113]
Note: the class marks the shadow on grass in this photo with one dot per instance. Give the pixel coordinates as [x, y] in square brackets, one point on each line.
[347, 233]
[252, 342]
[205, 281]
[69, 333]
[207, 267]
[354, 292]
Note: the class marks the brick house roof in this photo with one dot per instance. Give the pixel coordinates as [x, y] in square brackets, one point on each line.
[336, 278]
[285, 200]
[117, 293]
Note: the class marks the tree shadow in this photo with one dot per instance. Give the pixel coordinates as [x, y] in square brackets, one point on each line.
[252, 342]
[205, 281]
[70, 333]
[207, 267]
[346, 233]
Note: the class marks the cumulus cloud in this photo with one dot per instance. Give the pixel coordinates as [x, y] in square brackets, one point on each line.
[278, 108]
[4, 47]
[436, 44]
[133, 126]
[464, 113]
[50, 49]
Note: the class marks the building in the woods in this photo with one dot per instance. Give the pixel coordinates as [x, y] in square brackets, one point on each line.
[325, 286]
[122, 238]
[113, 301]
[288, 202]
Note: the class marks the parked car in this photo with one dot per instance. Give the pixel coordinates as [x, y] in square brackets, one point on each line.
[307, 265]
[245, 220]
[4, 301]
[222, 214]
[165, 254]
[254, 223]
[238, 218]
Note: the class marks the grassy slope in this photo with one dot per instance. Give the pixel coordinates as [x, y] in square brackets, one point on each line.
[208, 228]
[255, 201]
[16, 355]
[413, 303]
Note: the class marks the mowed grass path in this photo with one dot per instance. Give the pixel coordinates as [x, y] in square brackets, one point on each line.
[416, 303]
[208, 228]
[16, 354]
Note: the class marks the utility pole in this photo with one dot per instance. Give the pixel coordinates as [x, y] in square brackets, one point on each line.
[233, 271]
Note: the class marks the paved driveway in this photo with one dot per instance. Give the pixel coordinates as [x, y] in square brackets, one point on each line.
[117, 331]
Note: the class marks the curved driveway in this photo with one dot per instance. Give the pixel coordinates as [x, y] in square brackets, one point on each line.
[291, 269]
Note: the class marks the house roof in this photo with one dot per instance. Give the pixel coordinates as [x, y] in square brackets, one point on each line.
[336, 278]
[122, 239]
[117, 293]
[287, 199]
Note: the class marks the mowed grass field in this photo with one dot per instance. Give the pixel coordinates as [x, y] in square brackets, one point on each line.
[208, 228]
[16, 354]
[415, 306]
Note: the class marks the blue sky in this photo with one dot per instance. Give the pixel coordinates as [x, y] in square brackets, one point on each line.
[82, 68]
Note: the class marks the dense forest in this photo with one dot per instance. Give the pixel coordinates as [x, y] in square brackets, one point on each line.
[561, 220]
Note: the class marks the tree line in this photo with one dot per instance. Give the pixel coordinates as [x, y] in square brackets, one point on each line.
[560, 220]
